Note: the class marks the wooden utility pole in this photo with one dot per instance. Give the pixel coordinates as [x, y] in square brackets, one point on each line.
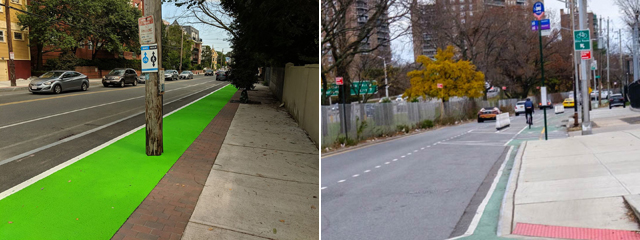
[153, 98]
[11, 68]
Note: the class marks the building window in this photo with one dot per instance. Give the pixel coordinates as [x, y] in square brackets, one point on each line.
[15, 1]
[470, 13]
[470, 7]
[461, 7]
[90, 45]
[461, 1]
[17, 36]
[1, 36]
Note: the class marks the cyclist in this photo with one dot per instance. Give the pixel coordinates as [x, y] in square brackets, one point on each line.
[528, 109]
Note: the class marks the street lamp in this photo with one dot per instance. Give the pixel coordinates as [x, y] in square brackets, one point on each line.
[386, 85]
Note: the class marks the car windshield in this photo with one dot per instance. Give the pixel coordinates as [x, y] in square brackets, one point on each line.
[489, 108]
[187, 72]
[51, 75]
[116, 72]
[520, 103]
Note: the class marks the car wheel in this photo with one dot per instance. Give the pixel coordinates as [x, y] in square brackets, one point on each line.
[517, 114]
[105, 85]
[84, 87]
[122, 83]
[135, 82]
[57, 89]
[480, 120]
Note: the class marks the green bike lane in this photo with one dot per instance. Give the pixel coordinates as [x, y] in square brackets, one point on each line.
[93, 197]
[487, 226]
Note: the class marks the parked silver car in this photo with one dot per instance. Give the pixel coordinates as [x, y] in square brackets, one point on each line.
[58, 81]
[171, 75]
[186, 75]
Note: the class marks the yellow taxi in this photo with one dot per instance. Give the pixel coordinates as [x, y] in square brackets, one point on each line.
[568, 102]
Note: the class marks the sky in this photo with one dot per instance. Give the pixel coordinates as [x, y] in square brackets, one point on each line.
[210, 35]
[403, 50]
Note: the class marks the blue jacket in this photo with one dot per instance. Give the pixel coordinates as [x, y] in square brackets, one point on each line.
[528, 104]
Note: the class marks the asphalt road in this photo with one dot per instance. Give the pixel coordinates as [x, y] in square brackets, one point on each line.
[38, 132]
[421, 186]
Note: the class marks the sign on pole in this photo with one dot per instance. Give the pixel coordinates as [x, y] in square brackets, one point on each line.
[594, 65]
[149, 58]
[504, 88]
[582, 39]
[147, 30]
[538, 9]
[440, 85]
[339, 81]
[585, 55]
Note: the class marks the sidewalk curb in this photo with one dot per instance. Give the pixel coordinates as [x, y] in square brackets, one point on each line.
[505, 223]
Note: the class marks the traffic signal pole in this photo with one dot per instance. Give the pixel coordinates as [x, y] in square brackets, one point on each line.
[544, 110]
[586, 102]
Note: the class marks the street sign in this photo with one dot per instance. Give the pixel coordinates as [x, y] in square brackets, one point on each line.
[590, 90]
[149, 55]
[339, 80]
[332, 91]
[585, 55]
[147, 30]
[538, 9]
[582, 39]
[594, 65]
[597, 77]
[440, 85]
[11, 56]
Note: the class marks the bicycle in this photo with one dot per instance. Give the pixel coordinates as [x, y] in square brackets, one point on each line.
[530, 120]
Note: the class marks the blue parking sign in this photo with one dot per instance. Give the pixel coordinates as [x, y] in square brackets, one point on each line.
[538, 8]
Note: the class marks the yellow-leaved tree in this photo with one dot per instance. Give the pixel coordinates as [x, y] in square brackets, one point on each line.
[458, 78]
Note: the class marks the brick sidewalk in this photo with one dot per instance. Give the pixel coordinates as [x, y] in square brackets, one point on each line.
[165, 212]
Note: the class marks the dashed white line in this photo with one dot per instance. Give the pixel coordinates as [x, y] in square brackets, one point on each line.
[402, 156]
[323, 188]
[415, 150]
[341, 181]
[408, 153]
[366, 171]
[395, 159]
[378, 166]
[387, 163]
[430, 146]
[355, 175]
[421, 148]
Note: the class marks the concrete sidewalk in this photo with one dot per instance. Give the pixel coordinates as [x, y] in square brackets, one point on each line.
[567, 187]
[264, 183]
[21, 85]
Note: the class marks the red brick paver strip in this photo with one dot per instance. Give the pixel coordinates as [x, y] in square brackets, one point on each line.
[165, 212]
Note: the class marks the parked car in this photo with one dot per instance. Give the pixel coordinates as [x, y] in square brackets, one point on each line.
[616, 100]
[569, 102]
[221, 75]
[186, 75]
[519, 107]
[208, 72]
[549, 105]
[488, 113]
[58, 81]
[143, 78]
[171, 75]
[120, 77]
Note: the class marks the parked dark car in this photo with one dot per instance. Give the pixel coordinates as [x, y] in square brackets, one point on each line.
[171, 75]
[58, 81]
[208, 73]
[616, 100]
[120, 77]
[221, 75]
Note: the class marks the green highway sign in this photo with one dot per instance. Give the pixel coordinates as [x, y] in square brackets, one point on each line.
[582, 39]
[357, 88]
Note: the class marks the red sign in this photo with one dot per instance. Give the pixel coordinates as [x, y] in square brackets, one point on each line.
[585, 55]
[440, 85]
[538, 87]
[339, 81]
[538, 16]
[504, 88]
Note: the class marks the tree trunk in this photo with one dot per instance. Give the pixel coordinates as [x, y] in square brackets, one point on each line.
[324, 86]
[39, 54]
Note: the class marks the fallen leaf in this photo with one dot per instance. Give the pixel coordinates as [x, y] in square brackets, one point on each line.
[76, 219]
[281, 220]
[229, 189]
[69, 180]
[315, 197]
[313, 207]
[10, 222]
[210, 229]
[183, 185]
[177, 184]
[274, 231]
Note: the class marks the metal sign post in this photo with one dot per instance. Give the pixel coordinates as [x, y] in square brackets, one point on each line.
[538, 10]
[340, 82]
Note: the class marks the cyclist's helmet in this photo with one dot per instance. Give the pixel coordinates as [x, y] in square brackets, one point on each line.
[528, 99]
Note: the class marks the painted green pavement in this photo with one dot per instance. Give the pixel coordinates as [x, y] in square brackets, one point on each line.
[93, 197]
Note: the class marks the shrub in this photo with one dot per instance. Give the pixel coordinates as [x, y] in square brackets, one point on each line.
[403, 128]
[360, 128]
[346, 141]
[386, 100]
[426, 124]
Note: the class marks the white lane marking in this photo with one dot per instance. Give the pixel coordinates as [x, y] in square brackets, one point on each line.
[415, 150]
[470, 130]
[40, 176]
[434, 144]
[341, 181]
[100, 128]
[86, 108]
[323, 188]
[514, 136]
[408, 153]
[355, 175]
[402, 156]
[438, 142]
[421, 148]
[378, 166]
[476, 218]
[395, 159]
[386, 162]
[430, 146]
[366, 171]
